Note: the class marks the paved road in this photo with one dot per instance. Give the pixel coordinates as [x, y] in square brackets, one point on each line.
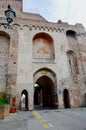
[65, 119]
[41, 119]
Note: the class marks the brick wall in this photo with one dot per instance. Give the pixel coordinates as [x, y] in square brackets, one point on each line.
[4, 111]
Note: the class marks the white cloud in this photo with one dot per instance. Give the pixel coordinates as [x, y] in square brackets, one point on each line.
[72, 11]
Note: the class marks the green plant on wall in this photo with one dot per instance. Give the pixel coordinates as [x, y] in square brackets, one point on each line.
[3, 102]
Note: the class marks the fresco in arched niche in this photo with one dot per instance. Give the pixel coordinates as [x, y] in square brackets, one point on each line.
[43, 47]
[72, 59]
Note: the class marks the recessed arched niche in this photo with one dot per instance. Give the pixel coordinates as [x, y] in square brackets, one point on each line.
[72, 39]
[73, 64]
[43, 46]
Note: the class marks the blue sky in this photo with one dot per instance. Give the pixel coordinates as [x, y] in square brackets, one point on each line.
[71, 11]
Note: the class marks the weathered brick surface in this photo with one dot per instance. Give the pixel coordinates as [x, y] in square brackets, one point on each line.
[4, 111]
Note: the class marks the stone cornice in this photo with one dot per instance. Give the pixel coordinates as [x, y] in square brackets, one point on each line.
[40, 28]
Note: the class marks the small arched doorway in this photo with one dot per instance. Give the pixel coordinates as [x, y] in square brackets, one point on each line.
[66, 98]
[44, 92]
[24, 100]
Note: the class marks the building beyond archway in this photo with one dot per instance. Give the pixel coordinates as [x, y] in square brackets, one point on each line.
[24, 100]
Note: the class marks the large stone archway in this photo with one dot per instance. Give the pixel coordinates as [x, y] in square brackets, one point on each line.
[45, 88]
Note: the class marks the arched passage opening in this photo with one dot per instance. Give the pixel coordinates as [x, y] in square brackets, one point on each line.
[66, 98]
[44, 92]
[24, 100]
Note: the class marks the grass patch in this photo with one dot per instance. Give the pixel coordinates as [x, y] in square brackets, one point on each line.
[84, 106]
[3, 102]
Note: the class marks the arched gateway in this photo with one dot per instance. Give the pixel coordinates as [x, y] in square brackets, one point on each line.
[24, 100]
[45, 88]
[66, 98]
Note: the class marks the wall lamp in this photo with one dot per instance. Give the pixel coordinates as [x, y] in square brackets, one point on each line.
[10, 15]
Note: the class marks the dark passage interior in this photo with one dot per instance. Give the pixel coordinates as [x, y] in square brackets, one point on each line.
[44, 92]
[66, 98]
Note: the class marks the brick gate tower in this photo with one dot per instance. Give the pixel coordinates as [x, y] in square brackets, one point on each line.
[41, 62]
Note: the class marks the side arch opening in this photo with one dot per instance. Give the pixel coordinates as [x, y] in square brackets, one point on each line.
[24, 100]
[66, 98]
